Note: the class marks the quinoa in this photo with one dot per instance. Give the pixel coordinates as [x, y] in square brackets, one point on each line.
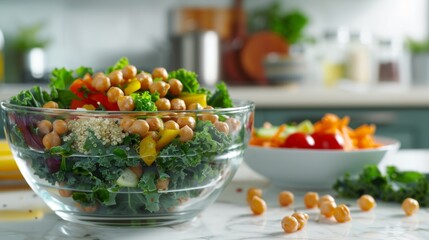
[106, 130]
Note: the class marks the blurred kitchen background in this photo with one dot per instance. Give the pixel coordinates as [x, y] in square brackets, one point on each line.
[356, 46]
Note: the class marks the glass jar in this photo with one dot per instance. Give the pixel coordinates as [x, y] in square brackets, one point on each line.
[389, 58]
[334, 46]
[360, 58]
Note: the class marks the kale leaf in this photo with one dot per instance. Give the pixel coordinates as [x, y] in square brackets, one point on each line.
[188, 79]
[121, 63]
[143, 101]
[34, 97]
[221, 98]
[394, 186]
[61, 78]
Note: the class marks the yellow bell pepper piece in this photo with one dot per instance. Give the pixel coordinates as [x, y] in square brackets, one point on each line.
[4, 148]
[133, 86]
[167, 135]
[190, 98]
[148, 150]
[8, 164]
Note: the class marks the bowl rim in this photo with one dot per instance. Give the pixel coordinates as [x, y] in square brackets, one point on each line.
[390, 144]
[239, 106]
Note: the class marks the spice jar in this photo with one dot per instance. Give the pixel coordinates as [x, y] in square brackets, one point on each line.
[389, 58]
[333, 56]
[360, 58]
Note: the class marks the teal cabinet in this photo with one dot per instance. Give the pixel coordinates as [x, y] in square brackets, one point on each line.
[409, 125]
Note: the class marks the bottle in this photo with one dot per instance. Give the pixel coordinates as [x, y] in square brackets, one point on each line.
[334, 46]
[389, 58]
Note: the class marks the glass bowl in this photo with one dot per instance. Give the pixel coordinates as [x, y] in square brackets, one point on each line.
[100, 174]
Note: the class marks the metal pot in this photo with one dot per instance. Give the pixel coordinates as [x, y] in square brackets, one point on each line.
[197, 51]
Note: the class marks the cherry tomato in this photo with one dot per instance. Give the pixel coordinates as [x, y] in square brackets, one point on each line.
[298, 140]
[328, 141]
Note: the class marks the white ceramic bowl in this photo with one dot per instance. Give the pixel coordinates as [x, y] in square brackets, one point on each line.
[313, 169]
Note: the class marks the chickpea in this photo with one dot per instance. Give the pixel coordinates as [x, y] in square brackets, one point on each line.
[301, 218]
[286, 198]
[305, 215]
[324, 198]
[311, 199]
[160, 73]
[186, 134]
[195, 106]
[126, 123]
[163, 104]
[87, 209]
[145, 80]
[159, 86]
[154, 134]
[44, 127]
[253, 192]
[162, 184]
[64, 192]
[327, 208]
[137, 170]
[366, 202]
[116, 78]
[410, 206]
[99, 74]
[170, 124]
[60, 127]
[209, 117]
[155, 124]
[208, 107]
[342, 213]
[129, 72]
[101, 84]
[50, 104]
[178, 104]
[234, 124]
[114, 93]
[258, 205]
[290, 224]
[140, 127]
[222, 127]
[51, 140]
[186, 121]
[126, 103]
[176, 86]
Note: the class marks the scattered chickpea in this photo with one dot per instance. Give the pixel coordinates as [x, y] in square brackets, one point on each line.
[155, 124]
[116, 78]
[178, 104]
[301, 218]
[129, 72]
[290, 224]
[160, 73]
[163, 104]
[342, 213]
[170, 124]
[159, 86]
[101, 83]
[327, 208]
[324, 198]
[51, 140]
[253, 192]
[176, 86]
[126, 103]
[311, 199]
[140, 127]
[186, 121]
[145, 80]
[44, 127]
[258, 205]
[209, 117]
[286, 198]
[186, 134]
[410, 206]
[154, 134]
[222, 127]
[126, 123]
[50, 104]
[366, 202]
[64, 192]
[195, 106]
[113, 94]
[60, 127]
[162, 184]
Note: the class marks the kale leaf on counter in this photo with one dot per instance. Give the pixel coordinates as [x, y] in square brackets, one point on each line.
[394, 186]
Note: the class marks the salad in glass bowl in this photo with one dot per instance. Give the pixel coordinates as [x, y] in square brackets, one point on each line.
[127, 147]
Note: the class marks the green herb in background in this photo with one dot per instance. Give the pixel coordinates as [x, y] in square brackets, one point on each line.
[29, 37]
[289, 25]
[394, 186]
[415, 46]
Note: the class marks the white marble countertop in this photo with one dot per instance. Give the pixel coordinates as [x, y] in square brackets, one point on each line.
[313, 97]
[229, 217]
